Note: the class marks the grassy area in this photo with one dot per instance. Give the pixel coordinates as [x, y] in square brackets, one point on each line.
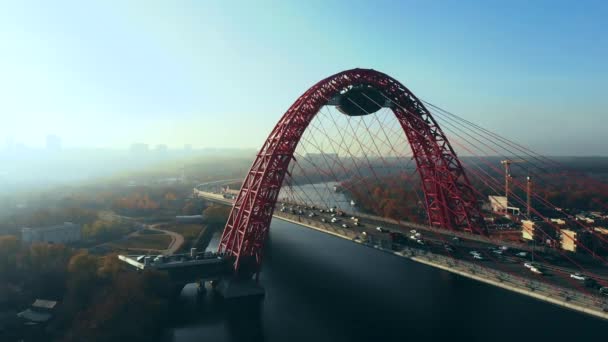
[147, 241]
[190, 232]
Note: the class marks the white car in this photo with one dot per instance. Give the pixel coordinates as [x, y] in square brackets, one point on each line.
[380, 229]
[420, 242]
[344, 225]
[529, 265]
[536, 270]
[413, 237]
[323, 220]
[578, 276]
[497, 251]
[504, 248]
[413, 231]
[474, 253]
[357, 224]
[334, 220]
[522, 254]
[477, 256]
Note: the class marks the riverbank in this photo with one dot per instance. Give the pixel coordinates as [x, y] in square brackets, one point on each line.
[562, 297]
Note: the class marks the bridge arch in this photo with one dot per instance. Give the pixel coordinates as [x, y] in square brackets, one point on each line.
[449, 198]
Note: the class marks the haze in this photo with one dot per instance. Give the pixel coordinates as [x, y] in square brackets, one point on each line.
[209, 74]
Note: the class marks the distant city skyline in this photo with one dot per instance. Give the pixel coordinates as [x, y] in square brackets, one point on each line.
[218, 74]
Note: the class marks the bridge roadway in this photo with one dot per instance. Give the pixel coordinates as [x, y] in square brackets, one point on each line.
[505, 271]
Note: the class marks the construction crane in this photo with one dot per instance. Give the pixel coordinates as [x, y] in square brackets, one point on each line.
[507, 163]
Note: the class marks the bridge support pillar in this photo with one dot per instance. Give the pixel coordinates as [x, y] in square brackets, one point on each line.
[234, 287]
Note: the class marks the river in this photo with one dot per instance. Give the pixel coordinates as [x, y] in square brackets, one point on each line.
[323, 288]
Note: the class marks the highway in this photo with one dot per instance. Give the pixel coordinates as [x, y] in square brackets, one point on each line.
[437, 242]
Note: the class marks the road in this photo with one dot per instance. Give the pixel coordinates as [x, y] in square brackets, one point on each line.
[435, 241]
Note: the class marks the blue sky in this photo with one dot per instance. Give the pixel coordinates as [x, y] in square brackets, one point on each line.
[221, 73]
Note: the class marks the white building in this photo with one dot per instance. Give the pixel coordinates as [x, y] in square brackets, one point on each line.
[67, 232]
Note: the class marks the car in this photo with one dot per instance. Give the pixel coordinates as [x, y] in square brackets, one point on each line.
[321, 210]
[477, 256]
[344, 225]
[381, 230]
[604, 291]
[529, 265]
[536, 270]
[323, 220]
[497, 251]
[364, 233]
[413, 237]
[578, 276]
[420, 242]
[334, 220]
[455, 238]
[413, 231]
[357, 224]
[504, 248]
[417, 235]
[311, 215]
[448, 248]
[522, 254]
[353, 218]
[333, 215]
[474, 253]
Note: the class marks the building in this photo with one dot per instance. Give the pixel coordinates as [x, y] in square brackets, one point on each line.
[568, 240]
[139, 148]
[53, 142]
[499, 205]
[67, 232]
[527, 230]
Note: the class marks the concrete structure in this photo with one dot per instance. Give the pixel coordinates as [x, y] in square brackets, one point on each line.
[65, 233]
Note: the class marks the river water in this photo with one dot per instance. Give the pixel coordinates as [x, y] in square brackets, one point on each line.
[322, 288]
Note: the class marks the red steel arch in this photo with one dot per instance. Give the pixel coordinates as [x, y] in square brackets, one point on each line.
[450, 200]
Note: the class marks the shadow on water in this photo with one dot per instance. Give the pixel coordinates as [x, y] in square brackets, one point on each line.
[223, 320]
[321, 288]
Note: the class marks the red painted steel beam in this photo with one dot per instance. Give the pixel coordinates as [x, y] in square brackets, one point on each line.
[450, 200]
